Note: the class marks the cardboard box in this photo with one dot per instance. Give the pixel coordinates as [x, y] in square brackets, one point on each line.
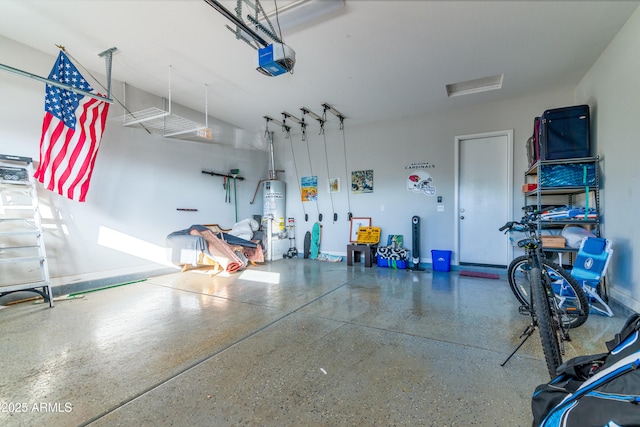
[553, 241]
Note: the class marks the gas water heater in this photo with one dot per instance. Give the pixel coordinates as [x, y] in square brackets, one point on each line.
[274, 203]
[274, 212]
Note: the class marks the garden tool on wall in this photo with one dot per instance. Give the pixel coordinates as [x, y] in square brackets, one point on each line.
[234, 174]
[226, 184]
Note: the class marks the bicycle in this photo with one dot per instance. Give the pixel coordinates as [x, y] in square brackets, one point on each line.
[541, 303]
[565, 286]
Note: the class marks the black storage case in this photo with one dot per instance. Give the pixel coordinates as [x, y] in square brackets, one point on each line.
[564, 133]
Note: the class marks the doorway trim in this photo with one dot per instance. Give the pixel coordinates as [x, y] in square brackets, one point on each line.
[456, 233]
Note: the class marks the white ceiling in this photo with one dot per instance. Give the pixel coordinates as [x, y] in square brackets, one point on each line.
[372, 60]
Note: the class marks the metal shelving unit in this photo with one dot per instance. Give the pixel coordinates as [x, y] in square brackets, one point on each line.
[23, 259]
[590, 191]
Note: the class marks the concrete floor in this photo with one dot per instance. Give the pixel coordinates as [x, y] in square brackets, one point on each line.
[289, 343]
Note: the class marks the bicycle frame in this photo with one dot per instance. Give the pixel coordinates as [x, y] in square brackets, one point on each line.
[552, 330]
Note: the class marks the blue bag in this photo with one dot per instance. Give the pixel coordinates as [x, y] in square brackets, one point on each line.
[597, 390]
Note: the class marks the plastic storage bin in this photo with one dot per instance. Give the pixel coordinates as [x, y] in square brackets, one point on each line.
[441, 260]
[568, 175]
[399, 264]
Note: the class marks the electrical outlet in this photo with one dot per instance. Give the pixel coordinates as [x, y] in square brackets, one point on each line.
[381, 208]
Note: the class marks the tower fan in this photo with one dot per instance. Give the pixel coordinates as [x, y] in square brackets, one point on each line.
[415, 240]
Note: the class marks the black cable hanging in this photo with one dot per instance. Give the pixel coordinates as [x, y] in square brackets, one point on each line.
[303, 125]
[326, 156]
[344, 145]
[326, 107]
[295, 167]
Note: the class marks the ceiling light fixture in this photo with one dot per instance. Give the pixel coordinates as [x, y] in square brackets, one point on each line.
[483, 84]
[300, 12]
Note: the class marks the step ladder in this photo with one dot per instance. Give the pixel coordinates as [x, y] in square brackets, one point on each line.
[23, 260]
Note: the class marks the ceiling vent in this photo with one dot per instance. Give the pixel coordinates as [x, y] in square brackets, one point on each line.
[474, 86]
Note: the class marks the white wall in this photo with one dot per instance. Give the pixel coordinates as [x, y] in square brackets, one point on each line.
[612, 89]
[138, 182]
[387, 147]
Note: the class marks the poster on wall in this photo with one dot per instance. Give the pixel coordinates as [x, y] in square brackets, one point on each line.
[362, 181]
[356, 223]
[309, 188]
[421, 182]
[334, 185]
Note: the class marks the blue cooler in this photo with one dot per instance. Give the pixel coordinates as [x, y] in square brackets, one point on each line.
[441, 260]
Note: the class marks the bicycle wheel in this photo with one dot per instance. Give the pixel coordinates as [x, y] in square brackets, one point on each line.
[518, 275]
[572, 300]
[548, 324]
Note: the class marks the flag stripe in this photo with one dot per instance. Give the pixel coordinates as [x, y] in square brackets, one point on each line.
[58, 133]
[45, 144]
[101, 112]
[71, 132]
[60, 150]
[91, 162]
[71, 152]
[84, 156]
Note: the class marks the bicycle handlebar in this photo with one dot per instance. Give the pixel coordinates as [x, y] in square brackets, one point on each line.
[509, 225]
[524, 224]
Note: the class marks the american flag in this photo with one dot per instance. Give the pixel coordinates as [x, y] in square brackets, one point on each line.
[71, 132]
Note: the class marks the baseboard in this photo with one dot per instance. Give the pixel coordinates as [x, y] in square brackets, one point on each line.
[104, 282]
[100, 280]
[621, 303]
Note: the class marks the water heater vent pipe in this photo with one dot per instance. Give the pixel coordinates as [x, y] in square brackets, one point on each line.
[272, 172]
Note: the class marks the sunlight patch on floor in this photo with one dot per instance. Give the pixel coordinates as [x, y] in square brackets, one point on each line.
[261, 276]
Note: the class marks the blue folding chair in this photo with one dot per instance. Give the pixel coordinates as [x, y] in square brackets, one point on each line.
[590, 268]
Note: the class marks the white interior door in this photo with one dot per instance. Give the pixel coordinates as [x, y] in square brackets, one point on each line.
[484, 197]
